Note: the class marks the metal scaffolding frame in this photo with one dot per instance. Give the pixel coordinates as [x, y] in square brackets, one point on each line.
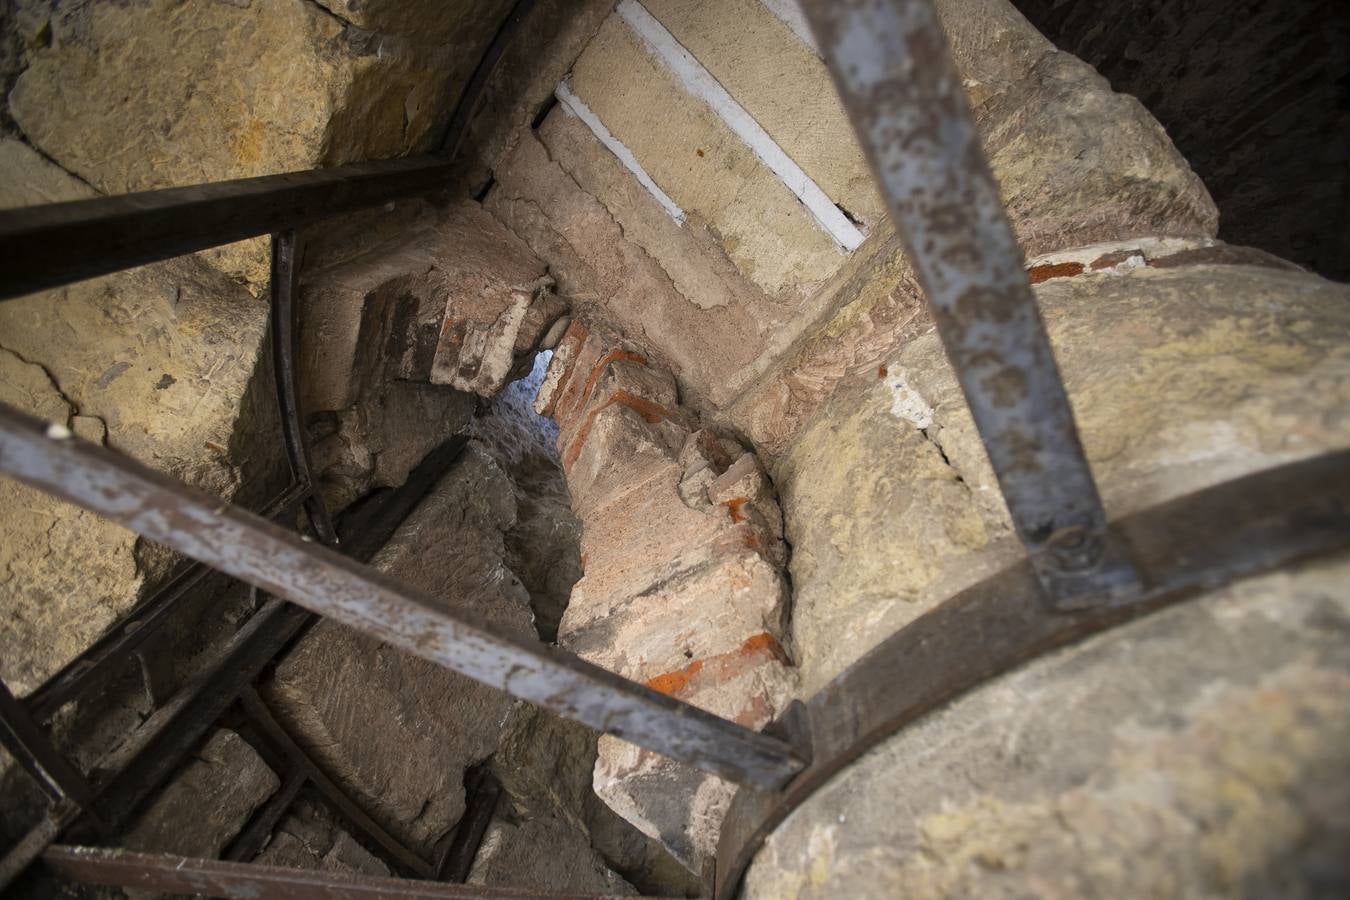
[1081, 573]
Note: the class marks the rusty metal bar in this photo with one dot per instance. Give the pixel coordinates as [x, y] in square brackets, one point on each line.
[150, 754]
[250, 842]
[259, 714]
[482, 792]
[120, 642]
[1185, 548]
[213, 878]
[458, 126]
[144, 762]
[256, 551]
[287, 253]
[47, 246]
[31, 748]
[891, 65]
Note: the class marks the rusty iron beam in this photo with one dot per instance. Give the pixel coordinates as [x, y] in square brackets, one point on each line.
[250, 842]
[482, 792]
[256, 551]
[902, 91]
[47, 246]
[1186, 547]
[120, 642]
[214, 878]
[457, 128]
[271, 730]
[34, 751]
[287, 254]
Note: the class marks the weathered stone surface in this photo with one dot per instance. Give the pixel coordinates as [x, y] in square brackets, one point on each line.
[309, 837]
[1196, 753]
[207, 803]
[53, 608]
[498, 306]
[784, 85]
[158, 362]
[682, 586]
[349, 699]
[145, 95]
[889, 492]
[453, 301]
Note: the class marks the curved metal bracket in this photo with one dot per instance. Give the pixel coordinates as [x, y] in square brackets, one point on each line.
[1183, 549]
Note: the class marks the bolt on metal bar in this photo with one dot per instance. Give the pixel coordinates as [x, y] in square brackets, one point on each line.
[47, 246]
[258, 552]
[163, 873]
[32, 749]
[287, 253]
[893, 70]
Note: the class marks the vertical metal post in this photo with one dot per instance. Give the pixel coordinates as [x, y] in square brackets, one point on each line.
[287, 252]
[892, 67]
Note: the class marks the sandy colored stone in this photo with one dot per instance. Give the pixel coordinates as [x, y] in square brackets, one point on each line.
[888, 494]
[785, 87]
[65, 574]
[156, 94]
[207, 802]
[170, 379]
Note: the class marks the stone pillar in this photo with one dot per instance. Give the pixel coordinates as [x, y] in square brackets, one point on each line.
[683, 588]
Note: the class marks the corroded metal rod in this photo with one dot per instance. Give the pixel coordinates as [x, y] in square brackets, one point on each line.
[900, 86]
[213, 878]
[280, 563]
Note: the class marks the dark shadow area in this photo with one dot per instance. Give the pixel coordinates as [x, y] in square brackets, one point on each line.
[1256, 96]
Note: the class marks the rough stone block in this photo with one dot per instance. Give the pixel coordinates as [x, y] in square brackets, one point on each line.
[207, 803]
[347, 698]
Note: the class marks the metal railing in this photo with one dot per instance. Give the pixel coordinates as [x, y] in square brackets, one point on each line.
[1080, 574]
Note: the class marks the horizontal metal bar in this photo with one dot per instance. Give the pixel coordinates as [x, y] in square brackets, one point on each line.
[271, 730]
[47, 246]
[905, 97]
[1186, 547]
[256, 551]
[457, 128]
[33, 749]
[214, 878]
[121, 641]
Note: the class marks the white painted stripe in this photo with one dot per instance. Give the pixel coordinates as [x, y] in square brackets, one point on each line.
[790, 12]
[700, 82]
[574, 105]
